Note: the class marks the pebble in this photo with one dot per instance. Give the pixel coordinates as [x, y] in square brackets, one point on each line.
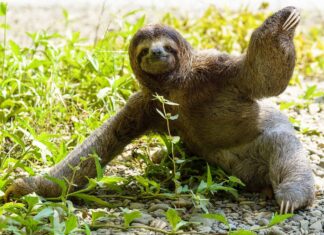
[197, 218]
[317, 226]
[297, 218]
[321, 164]
[102, 231]
[183, 203]
[161, 206]
[159, 213]
[204, 229]
[304, 225]
[136, 205]
[263, 222]
[144, 219]
[316, 213]
[158, 223]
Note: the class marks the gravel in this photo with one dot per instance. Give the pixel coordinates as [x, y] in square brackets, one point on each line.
[250, 211]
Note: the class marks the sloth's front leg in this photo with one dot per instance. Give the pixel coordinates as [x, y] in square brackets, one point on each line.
[107, 141]
[270, 59]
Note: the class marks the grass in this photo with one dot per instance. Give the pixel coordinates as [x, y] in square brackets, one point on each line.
[55, 92]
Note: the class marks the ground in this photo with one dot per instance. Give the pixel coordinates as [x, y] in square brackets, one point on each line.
[249, 210]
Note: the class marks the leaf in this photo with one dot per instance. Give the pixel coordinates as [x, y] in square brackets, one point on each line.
[162, 114]
[130, 216]
[309, 92]
[45, 213]
[99, 169]
[286, 105]
[202, 187]
[168, 102]
[173, 218]
[175, 139]
[93, 61]
[276, 219]
[15, 48]
[87, 229]
[209, 177]
[3, 8]
[218, 217]
[174, 117]
[95, 199]
[234, 179]
[15, 138]
[218, 187]
[111, 180]
[31, 200]
[181, 224]
[71, 223]
[97, 215]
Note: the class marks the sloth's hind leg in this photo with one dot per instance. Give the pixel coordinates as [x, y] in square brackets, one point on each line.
[289, 171]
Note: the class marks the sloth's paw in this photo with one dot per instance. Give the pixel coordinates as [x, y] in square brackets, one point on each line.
[291, 196]
[292, 20]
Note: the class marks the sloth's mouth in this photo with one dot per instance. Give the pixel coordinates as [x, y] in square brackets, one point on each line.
[155, 58]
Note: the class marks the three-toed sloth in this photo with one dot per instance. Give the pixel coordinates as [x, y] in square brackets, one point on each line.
[221, 116]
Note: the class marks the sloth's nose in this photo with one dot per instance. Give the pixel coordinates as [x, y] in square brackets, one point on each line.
[157, 51]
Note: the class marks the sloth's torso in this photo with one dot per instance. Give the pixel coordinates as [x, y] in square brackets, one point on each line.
[223, 121]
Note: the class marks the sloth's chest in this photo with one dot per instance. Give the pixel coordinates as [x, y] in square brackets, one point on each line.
[218, 124]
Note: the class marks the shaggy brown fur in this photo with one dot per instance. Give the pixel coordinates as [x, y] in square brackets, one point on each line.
[220, 116]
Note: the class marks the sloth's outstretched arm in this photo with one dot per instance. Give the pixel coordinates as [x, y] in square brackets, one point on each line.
[270, 59]
[106, 141]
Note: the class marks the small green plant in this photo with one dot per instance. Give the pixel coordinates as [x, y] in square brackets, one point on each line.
[174, 220]
[129, 216]
[170, 140]
[276, 219]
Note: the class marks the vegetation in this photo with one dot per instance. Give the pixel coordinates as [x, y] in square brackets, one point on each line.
[54, 93]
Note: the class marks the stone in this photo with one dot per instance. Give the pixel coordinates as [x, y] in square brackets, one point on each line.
[161, 206]
[263, 222]
[158, 223]
[316, 213]
[197, 218]
[136, 205]
[321, 164]
[304, 225]
[204, 229]
[297, 218]
[317, 226]
[159, 213]
[145, 219]
[183, 203]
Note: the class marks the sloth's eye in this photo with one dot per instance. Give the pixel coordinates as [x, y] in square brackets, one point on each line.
[144, 51]
[169, 48]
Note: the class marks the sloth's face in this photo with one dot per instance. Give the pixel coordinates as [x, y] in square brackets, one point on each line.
[157, 56]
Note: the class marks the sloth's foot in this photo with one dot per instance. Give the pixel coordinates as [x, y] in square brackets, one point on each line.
[292, 20]
[292, 196]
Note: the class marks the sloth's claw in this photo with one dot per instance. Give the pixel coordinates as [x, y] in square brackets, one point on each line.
[292, 20]
[285, 207]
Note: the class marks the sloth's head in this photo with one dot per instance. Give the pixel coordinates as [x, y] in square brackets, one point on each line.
[158, 53]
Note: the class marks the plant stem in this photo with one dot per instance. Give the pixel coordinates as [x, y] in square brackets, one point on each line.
[170, 136]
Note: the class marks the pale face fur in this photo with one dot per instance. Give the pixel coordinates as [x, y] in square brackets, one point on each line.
[157, 56]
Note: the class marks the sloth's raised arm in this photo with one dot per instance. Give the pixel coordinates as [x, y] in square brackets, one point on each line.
[270, 59]
[106, 141]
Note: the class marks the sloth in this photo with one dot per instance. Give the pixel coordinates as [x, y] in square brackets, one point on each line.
[221, 115]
